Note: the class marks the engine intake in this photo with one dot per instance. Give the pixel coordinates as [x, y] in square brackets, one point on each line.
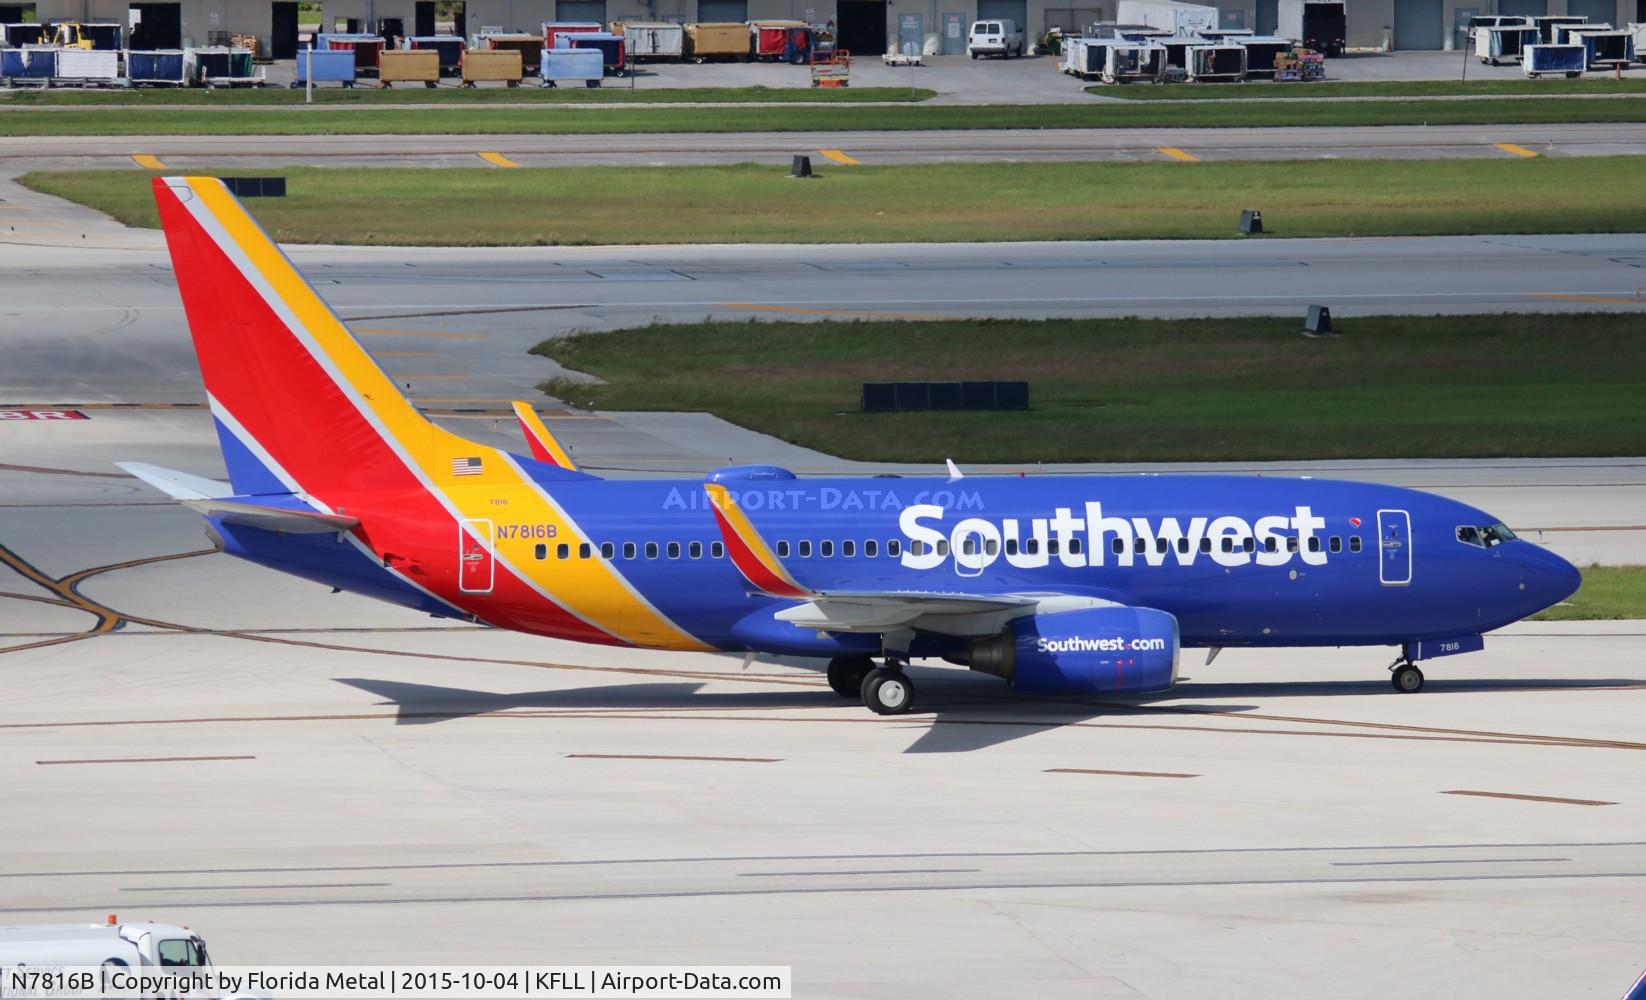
[1090, 651]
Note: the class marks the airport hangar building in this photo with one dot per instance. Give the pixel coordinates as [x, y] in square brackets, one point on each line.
[863, 26]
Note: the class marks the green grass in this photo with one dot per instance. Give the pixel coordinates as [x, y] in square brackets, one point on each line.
[568, 119]
[1041, 201]
[1381, 88]
[617, 93]
[1132, 390]
[1608, 592]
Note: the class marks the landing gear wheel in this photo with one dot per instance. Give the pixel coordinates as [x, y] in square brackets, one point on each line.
[1406, 678]
[846, 674]
[888, 692]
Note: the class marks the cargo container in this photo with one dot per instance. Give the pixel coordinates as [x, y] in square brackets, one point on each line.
[218, 66]
[1548, 60]
[614, 55]
[34, 64]
[554, 32]
[1261, 51]
[1607, 49]
[558, 66]
[450, 48]
[1547, 23]
[1321, 25]
[154, 67]
[492, 66]
[784, 41]
[88, 66]
[367, 49]
[1638, 29]
[409, 66]
[1210, 63]
[1086, 58]
[1181, 19]
[1127, 61]
[530, 48]
[15, 35]
[652, 39]
[324, 66]
[718, 41]
[1495, 44]
[1566, 34]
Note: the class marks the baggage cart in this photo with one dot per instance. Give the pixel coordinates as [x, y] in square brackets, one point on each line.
[557, 66]
[613, 53]
[219, 66]
[530, 48]
[367, 49]
[1127, 61]
[155, 67]
[88, 67]
[450, 48]
[831, 69]
[492, 65]
[1261, 52]
[717, 41]
[409, 66]
[652, 39]
[1495, 44]
[1547, 23]
[781, 41]
[1212, 63]
[554, 32]
[1607, 48]
[1086, 58]
[29, 65]
[1549, 60]
[1566, 34]
[325, 66]
[14, 35]
[1177, 52]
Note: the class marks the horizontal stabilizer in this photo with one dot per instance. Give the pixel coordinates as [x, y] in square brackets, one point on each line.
[256, 515]
[177, 485]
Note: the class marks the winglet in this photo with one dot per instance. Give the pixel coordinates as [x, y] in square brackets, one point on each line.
[543, 446]
[954, 470]
[749, 552]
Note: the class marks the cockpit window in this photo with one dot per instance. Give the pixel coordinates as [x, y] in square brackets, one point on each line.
[1487, 536]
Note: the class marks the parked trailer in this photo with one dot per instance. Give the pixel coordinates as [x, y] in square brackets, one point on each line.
[1261, 52]
[614, 54]
[492, 66]
[557, 66]
[218, 66]
[786, 41]
[717, 41]
[555, 32]
[450, 48]
[155, 67]
[409, 66]
[1126, 61]
[1608, 48]
[85, 67]
[325, 66]
[1546, 60]
[1547, 23]
[1212, 63]
[1493, 45]
[1086, 58]
[530, 48]
[367, 49]
[16, 35]
[33, 64]
[652, 39]
[1180, 19]
[1321, 25]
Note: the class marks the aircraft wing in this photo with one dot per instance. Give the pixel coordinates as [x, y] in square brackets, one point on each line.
[880, 611]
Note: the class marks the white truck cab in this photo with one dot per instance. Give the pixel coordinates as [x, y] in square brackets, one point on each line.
[124, 946]
[995, 37]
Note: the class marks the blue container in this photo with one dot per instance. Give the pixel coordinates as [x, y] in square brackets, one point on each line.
[28, 64]
[155, 66]
[325, 66]
[610, 47]
[571, 65]
[1570, 59]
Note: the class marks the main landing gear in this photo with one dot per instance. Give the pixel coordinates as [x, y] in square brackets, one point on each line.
[886, 690]
[1405, 676]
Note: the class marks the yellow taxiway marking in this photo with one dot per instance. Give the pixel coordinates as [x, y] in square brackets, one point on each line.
[440, 334]
[1509, 147]
[1178, 154]
[147, 162]
[497, 159]
[840, 157]
[854, 313]
[1616, 300]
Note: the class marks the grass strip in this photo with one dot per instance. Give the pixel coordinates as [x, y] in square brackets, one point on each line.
[572, 119]
[531, 94]
[1608, 592]
[1130, 390]
[917, 203]
[1261, 90]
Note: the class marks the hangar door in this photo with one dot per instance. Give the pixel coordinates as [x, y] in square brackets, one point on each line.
[1017, 10]
[722, 11]
[156, 26]
[1523, 8]
[860, 26]
[1073, 20]
[580, 10]
[1597, 11]
[1418, 25]
[1268, 17]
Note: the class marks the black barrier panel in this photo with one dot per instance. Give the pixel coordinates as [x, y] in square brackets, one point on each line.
[255, 187]
[914, 396]
[948, 396]
[1011, 395]
[885, 397]
[978, 395]
[879, 397]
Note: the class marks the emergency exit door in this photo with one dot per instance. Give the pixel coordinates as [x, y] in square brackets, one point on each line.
[476, 565]
[1394, 547]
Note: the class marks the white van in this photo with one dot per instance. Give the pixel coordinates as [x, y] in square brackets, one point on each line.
[995, 38]
[126, 946]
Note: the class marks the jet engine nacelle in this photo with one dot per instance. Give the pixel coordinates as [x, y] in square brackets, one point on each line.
[1091, 651]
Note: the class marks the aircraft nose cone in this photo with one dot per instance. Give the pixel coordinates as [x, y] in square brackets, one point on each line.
[1548, 579]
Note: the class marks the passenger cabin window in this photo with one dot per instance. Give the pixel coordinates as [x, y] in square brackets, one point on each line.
[1182, 545]
[674, 550]
[1117, 546]
[628, 550]
[969, 547]
[783, 550]
[1205, 545]
[1270, 545]
[1228, 544]
[1074, 546]
[1354, 543]
[1160, 545]
[651, 550]
[1314, 544]
[870, 549]
[991, 547]
[1291, 543]
[717, 550]
[894, 547]
[825, 549]
[541, 551]
[583, 551]
[942, 546]
[1052, 546]
[696, 550]
[607, 550]
[1032, 546]
[1248, 544]
[562, 551]
[1337, 544]
[848, 548]
[805, 550]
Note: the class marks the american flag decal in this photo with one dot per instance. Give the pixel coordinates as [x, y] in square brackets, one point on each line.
[466, 467]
